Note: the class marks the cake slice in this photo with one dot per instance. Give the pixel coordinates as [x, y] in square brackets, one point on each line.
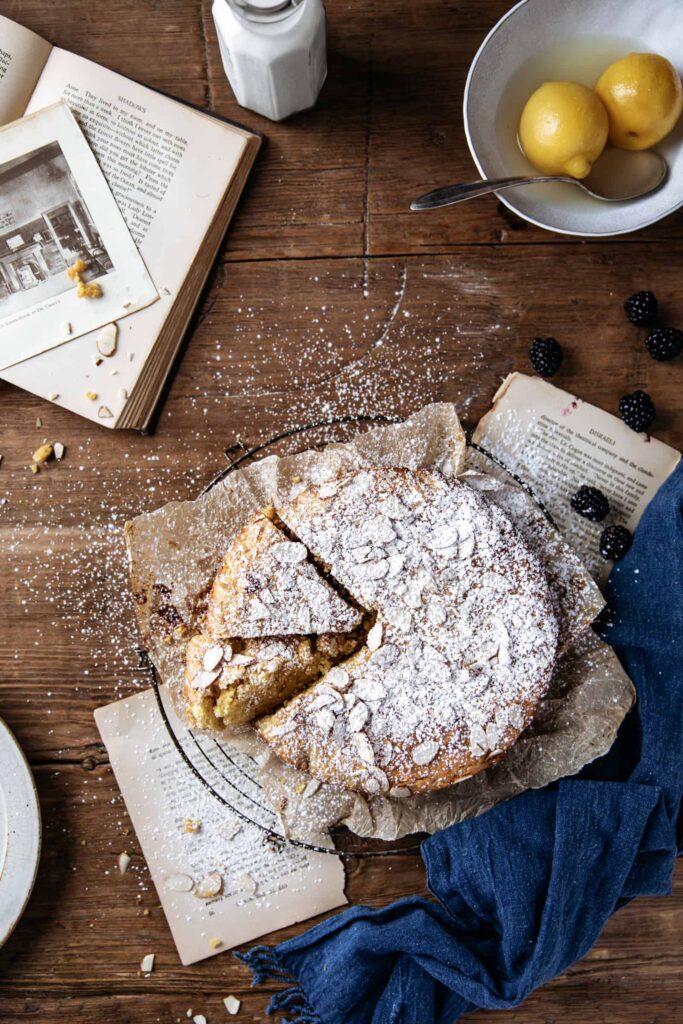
[267, 587]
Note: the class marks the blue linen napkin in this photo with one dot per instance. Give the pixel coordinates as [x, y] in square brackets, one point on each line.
[524, 890]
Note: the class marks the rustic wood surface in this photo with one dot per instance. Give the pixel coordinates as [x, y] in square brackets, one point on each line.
[329, 298]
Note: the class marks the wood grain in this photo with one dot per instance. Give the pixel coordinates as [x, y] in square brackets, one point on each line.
[329, 299]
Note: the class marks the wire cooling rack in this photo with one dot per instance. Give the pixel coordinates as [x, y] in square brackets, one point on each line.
[231, 776]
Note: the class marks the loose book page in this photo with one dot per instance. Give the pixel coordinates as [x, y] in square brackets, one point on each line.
[263, 886]
[168, 167]
[556, 442]
[56, 209]
[23, 55]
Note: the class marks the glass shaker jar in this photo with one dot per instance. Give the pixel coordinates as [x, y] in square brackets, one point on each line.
[274, 53]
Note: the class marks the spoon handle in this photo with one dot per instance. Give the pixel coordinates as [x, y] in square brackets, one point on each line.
[459, 193]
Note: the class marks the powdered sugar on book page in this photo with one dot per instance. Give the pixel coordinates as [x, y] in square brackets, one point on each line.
[556, 442]
[220, 880]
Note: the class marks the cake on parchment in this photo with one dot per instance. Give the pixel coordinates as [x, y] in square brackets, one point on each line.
[462, 650]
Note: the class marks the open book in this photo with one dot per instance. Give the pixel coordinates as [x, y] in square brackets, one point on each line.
[176, 174]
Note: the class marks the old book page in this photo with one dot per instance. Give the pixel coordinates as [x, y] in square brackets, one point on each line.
[56, 209]
[556, 442]
[23, 55]
[169, 167]
[264, 886]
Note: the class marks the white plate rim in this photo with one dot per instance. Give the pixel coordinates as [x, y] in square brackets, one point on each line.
[504, 198]
[22, 813]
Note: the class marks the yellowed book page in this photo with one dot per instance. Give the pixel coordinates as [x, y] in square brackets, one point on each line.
[23, 55]
[556, 442]
[188, 837]
[168, 167]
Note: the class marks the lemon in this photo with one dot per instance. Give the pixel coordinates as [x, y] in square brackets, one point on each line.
[563, 129]
[643, 96]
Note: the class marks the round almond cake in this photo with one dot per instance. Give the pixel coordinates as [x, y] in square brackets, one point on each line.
[463, 644]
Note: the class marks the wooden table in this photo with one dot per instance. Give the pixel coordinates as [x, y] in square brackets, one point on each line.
[329, 298]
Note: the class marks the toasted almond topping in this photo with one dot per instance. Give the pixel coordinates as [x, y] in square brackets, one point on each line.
[147, 965]
[213, 656]
[106, 340]
[374, 640]
[425, 752]
[204, 679]
[179, 883]
[248, 884]
[209, 886]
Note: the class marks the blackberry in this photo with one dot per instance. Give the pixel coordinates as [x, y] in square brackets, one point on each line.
[615, 542]
[546, 356]
[664, 343]
[590, 503]
[637, 410]
[641, 308]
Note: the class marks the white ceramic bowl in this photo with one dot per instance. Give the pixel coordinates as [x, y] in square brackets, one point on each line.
[541, 40]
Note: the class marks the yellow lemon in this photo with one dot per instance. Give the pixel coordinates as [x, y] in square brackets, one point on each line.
[643, 96]
[563, 129]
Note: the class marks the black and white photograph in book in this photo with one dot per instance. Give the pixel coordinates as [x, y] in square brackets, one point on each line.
[45, 226]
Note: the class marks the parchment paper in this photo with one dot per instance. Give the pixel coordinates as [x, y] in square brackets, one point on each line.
[176, 550]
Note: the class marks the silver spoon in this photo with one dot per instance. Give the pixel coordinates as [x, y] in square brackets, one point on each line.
[616, 177]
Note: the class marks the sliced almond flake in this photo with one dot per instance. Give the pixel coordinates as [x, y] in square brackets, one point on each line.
[369, 689]
[229, 829]
[374, 638]
[204, 679]
[466, 549]
[290, 552]
[338, 677]
[147, 965]
[248, 884]
[199, 1018]
[179, 883]
[227, 653]
[425, 753]
[213, 656]
[106, 340]
[39, 422]
[323, 700]
[209, 886]
[324, 720]
[243, 659]
[312, 787]
[362, 745]
[400, 792]
[123, 862]
[375, 783]
[104, 412]
[232, 1005]
[358, 716]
